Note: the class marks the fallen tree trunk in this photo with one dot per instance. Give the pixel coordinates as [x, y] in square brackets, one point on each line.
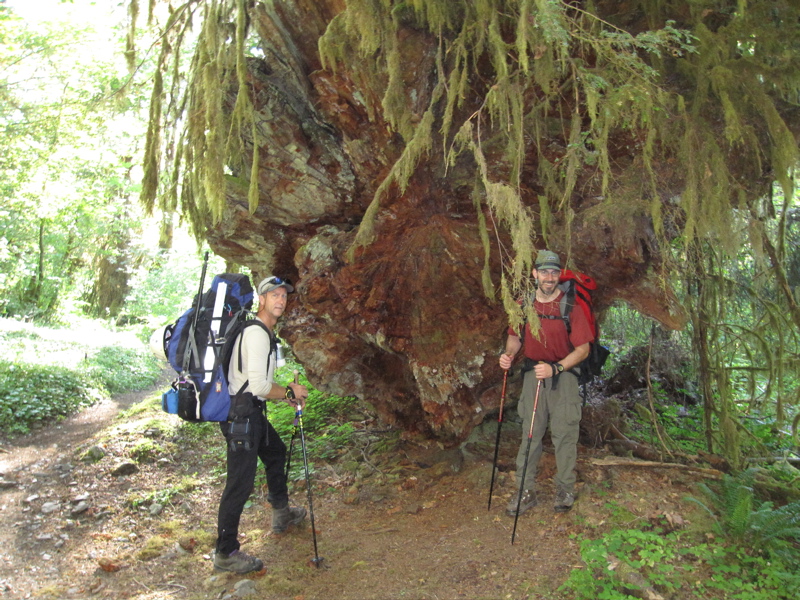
[618, 461]
[622, 445]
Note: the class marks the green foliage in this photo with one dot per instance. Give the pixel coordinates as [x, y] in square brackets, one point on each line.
[145, 451]
[676, 566]
[684, 425]
[68, 229]
[326, 423]
[35, 394]
[746, 335]
[731, 573]
[163, 495]
[640, 550]
[756, 526]
[124, 369]
[163, 287]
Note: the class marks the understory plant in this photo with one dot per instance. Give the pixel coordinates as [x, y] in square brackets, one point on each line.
[328, 423]
[625, 563]
[753, 556]
[755, 525]
[325, 418]
[123, 369]
[48, 374]
[36, 394]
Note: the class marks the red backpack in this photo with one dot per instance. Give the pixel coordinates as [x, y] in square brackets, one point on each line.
[578, 288]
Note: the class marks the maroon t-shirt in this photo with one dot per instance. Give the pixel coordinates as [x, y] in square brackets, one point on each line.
[553, 344]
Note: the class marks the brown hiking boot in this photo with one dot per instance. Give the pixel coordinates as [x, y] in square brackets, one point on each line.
[237, 562]
[528, 501]
[283, 518]
[564, 501]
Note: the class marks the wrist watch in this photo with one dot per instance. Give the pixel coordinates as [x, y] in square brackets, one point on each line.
[289, 393]
[559, 367]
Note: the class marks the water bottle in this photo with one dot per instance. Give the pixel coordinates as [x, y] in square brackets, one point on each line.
[281, 362]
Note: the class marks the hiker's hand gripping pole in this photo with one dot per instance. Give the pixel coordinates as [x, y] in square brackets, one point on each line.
[497, 439]
[527, 454]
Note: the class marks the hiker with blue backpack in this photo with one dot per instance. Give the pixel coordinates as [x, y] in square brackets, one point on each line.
[551, 372]
[251, 437]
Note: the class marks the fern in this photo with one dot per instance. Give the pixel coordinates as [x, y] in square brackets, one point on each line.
[777, 529]
[761, 528]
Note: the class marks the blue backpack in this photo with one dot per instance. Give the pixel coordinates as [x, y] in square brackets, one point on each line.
[199, 347]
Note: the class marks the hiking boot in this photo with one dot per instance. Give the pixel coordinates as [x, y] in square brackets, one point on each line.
[237, 562]
[283, 518]
[528, 501]
[564, 501]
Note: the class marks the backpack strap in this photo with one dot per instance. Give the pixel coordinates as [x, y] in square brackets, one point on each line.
[272, 346]
[239, 408]
[565, 305]
[191, 345]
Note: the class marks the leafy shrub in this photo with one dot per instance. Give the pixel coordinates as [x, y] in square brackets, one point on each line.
[33, 391]
[673, 565]
[124, 369]
[33, 394]
[163, 287]
[642, 551]
[729, 572]
[324, 418]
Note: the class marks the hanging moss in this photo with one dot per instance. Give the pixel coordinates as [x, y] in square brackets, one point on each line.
[557, 108]
[130, 41]
[544, 56]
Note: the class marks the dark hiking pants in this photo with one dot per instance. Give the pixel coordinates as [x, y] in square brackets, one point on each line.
[242, 464]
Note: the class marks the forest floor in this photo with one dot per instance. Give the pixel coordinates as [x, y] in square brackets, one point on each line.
[415, 526]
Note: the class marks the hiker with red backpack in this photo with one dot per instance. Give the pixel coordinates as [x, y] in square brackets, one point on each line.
[551, 371]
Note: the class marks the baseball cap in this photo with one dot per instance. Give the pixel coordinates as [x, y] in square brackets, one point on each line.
[270, 283]
[547, 260]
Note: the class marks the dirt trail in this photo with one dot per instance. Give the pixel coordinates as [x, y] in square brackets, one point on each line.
[417, 527]
[34, 469]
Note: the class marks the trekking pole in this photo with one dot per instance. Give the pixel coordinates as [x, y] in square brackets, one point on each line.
[189, 408]
[197, 304]
[317, 560]
[525, 465]
[294, 434]
[497, 439]
[191, 345]
[291, 445]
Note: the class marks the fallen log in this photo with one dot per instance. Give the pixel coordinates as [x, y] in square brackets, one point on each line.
[621, 445]
[770, 460]
[618, 461]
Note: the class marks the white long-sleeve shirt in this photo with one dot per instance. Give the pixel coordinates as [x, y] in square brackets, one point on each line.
[258, 367]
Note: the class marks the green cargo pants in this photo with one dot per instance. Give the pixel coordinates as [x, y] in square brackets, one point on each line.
[559, 408]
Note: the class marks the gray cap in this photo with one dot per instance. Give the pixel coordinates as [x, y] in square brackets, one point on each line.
[547, 260]
[270, 283]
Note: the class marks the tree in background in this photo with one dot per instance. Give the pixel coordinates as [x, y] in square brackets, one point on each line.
[68, 213]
